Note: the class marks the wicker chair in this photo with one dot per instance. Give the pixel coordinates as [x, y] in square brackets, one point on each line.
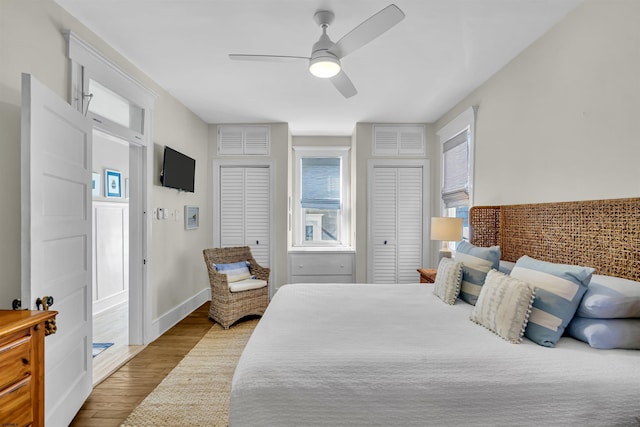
[228, 307]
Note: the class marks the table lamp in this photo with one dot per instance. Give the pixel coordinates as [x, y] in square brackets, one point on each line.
[446, 229]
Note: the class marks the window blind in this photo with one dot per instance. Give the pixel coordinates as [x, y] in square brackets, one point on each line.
[455, 189]
[321, 183]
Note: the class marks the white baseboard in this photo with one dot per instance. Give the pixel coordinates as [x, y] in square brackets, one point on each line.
[109, 302]
[165, 322]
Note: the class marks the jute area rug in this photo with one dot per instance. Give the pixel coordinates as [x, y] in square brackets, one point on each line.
[196, 391]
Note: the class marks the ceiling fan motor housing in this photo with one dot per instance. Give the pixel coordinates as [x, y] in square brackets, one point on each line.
[322, 62]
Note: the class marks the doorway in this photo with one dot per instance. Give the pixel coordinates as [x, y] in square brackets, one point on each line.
[111, 253]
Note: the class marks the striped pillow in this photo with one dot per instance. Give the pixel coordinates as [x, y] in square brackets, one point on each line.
[476, 263]
[504, 306]
[559, 289]
[448, 278]
[235, 271]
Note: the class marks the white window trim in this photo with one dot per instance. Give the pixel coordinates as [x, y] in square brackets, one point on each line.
[297, 211]
[466, 121]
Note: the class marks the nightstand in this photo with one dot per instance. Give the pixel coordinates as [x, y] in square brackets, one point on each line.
[427, 275]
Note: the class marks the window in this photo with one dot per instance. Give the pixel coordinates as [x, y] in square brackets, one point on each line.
[455, 171]
[108, 104]
[457, 138]
[321, 210]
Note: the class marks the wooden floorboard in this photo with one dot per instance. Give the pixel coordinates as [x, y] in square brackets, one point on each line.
[113, 399]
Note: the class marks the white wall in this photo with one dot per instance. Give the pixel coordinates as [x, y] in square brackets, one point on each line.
[559, 122]
[32, 42]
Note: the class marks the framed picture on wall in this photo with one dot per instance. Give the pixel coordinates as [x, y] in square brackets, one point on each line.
[191, 217]
[112, 183]
[95, 184]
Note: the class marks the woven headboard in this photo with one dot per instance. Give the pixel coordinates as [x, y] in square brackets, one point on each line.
[603, 234]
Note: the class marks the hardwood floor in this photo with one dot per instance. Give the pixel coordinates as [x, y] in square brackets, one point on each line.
[112, 326]
[114, 398]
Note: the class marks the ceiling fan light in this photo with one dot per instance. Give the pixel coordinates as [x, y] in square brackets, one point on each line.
[324, 67]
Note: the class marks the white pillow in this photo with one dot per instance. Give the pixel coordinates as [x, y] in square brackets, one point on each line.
[503, 306]
[448, 279]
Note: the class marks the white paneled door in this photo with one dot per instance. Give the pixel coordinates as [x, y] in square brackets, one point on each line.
[245, 209]
[56, 240]
[396, 223]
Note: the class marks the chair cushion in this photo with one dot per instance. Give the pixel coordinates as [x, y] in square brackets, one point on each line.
[246, 285]
[235, 271]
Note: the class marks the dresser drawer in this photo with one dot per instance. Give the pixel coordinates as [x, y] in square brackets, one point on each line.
[321, 264]
[321, 279]
[15, 404]
[15, 363]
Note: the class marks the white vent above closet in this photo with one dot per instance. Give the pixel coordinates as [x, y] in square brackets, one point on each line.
[398, 140]
[243, 140]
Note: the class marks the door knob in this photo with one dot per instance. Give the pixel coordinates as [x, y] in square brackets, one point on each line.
[50, 326]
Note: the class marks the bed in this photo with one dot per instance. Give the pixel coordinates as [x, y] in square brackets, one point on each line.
[359, 354]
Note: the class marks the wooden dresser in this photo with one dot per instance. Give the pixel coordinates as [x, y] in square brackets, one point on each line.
[22, 367]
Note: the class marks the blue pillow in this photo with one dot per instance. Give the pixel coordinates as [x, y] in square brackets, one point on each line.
[476, 263]
[559, 289]
[607, 333]
[610, 297]
[235, 271]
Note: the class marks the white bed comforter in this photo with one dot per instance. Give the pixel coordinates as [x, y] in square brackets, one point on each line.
[395, 355]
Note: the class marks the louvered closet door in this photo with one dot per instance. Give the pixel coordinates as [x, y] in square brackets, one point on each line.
[409, 210]
[384, 224]
[244, 210]
[257, 213]
[232, 207]
[396, 224]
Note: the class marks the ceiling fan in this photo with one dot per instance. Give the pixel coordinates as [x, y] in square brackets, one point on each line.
[324, 61]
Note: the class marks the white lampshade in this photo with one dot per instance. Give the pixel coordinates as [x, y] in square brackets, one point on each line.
[446, 229]
[324, 66]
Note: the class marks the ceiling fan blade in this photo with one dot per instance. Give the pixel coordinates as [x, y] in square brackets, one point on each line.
[266, 58]
[343, 84]
[368, 30]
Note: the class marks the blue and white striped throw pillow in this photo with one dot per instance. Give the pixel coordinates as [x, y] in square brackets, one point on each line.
[235, 271]
[559, 289]
[476, 263]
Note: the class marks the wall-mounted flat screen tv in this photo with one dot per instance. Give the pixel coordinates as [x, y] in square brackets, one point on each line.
[178, 170]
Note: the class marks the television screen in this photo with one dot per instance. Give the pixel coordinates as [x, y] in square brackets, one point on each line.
[178, 170]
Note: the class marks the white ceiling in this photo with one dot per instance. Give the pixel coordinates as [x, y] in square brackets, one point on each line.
[413, 73]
